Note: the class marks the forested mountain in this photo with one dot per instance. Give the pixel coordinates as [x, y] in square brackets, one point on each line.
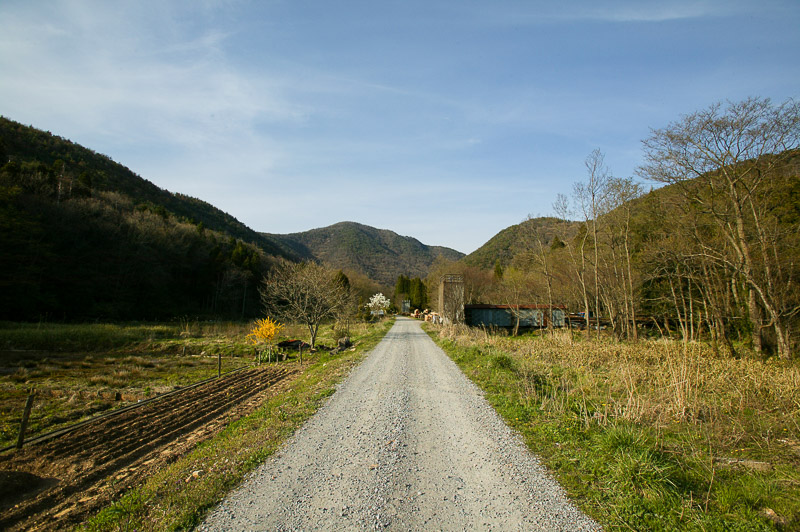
[81, 167]
[380, 254]
[512, 241]
[82, 236]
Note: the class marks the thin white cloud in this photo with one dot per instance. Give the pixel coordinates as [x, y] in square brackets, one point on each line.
[131, 75]
[546, 12]
[655, 11]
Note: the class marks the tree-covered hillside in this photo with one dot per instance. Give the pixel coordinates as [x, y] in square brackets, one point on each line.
[379, 254]
[25, 144]
[84, 237]
[511, 241]
[715, 253]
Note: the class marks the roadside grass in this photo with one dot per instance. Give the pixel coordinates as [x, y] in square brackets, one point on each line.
[648, 435]
[79, 370]
[178, 496]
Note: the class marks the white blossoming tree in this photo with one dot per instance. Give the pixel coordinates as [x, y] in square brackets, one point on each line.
[378, 304]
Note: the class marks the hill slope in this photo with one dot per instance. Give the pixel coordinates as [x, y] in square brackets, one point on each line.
[379, 254]
[506, 244]
[26, 145]
[84, 237]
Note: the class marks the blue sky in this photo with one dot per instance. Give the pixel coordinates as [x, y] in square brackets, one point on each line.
[443, 120]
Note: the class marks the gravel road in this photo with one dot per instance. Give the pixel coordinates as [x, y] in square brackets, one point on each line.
[406, 443]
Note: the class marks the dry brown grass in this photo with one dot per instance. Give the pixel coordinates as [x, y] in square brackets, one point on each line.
[654, 435]
[659, 383]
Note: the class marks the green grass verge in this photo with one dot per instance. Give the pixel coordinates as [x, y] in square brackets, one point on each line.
[85, 337]
[175, 499]
[627, 475]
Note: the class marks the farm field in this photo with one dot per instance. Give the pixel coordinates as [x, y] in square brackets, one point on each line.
[61, 481]
[82, 370]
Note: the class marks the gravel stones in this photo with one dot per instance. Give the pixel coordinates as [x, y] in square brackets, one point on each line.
[406, 443]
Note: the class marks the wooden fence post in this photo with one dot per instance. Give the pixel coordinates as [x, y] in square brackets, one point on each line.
[25, 415]
[219, 364]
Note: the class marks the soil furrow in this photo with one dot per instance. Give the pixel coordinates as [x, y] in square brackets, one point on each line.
[85, 440]
[79, 462]
[173, 422]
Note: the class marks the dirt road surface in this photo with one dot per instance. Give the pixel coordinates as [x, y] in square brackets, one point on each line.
[406, 443]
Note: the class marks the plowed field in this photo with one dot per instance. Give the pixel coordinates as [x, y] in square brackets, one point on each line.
[56, 483]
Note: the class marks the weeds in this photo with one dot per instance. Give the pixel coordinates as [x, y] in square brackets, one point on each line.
[56, 337]
[651, 435]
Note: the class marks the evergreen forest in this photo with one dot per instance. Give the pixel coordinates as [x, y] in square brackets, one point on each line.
[83, 237]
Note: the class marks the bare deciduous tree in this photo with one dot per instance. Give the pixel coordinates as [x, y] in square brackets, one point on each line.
[515, 290]
[723, 160]
[304, 293]
[617, 289]
[535, 244]
[576, 248]
[591, 198]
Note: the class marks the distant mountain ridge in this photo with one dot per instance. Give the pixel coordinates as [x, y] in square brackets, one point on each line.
[380, 254]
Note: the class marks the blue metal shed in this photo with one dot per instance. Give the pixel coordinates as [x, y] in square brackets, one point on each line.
[530, 316]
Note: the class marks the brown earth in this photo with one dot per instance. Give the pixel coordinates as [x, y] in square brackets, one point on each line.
[58, 482]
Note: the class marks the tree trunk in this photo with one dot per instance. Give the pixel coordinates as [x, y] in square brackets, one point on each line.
[678, 311]
[781, 330]
[631, 292]
[691, 312]
[582, 277]
[596, 280]
[784, 344]
[755, 321]
[312, 330]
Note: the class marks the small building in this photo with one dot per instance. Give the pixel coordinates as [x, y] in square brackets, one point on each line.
[530, 316]
[451, 298]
